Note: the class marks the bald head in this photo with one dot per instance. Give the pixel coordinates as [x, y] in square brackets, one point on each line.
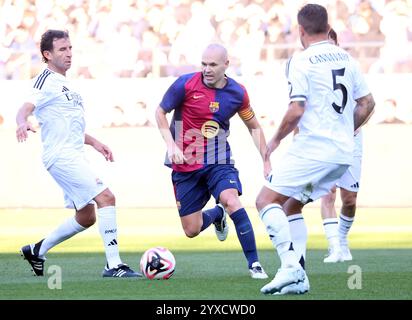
[217, 50]
[214, 64]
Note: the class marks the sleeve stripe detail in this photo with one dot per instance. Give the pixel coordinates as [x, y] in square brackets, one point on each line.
[298, 96]
[247, 114]
[40, 80]
[287, 68]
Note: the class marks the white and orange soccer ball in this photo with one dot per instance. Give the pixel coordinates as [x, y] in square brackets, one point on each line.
[157, 263]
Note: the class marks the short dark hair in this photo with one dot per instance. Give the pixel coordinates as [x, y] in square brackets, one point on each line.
[314, 19]
[46, 43]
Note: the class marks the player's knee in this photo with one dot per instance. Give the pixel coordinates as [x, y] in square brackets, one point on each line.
[349, 200]
[106, 198]
[191, 232]
[232, 204]
[328, 200]
[87, 220]
[349, 209]
[90, 221]
[110, 198]
[261, 203]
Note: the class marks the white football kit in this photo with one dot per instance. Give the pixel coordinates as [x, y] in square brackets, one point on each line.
[329, 80]
[60, 114]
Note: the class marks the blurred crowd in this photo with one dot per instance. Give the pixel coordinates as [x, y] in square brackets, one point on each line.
[160, 38]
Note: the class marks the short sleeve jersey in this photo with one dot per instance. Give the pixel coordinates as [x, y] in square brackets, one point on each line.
[60, 113]
[329, 80]
[200, 123]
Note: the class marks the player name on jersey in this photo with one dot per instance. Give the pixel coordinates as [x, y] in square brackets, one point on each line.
[328, 57]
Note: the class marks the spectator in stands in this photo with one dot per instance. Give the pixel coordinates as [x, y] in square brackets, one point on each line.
[137, 116]
[390, 109]
[117, 118]
[157, 33]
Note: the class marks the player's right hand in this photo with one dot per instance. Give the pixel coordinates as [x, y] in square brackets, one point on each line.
[176, 155]
[21, 132]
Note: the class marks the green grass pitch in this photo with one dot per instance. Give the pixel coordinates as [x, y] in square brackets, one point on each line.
[381, 242]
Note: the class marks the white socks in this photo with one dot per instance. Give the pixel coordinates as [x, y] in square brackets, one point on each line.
[108, 231]
[277, 226]
[63, 232]
[345, 223]
[332, 232]
[299, 234]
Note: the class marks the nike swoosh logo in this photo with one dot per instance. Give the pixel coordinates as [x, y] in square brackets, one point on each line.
[197, 97]
[232, 181]
[243, 233]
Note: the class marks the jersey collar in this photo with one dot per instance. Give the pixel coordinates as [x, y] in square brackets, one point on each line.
[318, 43]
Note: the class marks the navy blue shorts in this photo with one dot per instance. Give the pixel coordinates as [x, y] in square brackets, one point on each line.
[193, 189]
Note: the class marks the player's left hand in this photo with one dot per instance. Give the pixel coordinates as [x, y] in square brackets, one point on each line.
[105, 151]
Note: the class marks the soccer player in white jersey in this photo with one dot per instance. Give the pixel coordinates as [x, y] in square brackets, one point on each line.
[60, 113]
[328, 100]
[337, 232]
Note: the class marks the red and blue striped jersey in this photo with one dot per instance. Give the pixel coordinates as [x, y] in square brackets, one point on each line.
[200, 123]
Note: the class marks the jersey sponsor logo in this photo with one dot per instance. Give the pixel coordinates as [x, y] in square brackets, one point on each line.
[112, 243]
[210, 129]
[214, 106]
[68, 96]
[198, 96]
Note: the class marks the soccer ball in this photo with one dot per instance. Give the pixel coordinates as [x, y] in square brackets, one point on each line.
[157, 263]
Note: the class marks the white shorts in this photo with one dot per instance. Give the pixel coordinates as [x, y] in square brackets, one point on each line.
[79, 183]
[350, 179]
[305, 180]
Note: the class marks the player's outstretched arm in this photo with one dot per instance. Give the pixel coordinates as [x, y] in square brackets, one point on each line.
[100, 147]
[364, 109]
[259, 139]
[289, 122]
[22, 124]
[174, 153]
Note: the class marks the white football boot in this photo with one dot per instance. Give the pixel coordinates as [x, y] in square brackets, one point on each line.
[335, 255]
[257, 272]
[295, 288]
[283, 278]
[346, 255]
[221, 227]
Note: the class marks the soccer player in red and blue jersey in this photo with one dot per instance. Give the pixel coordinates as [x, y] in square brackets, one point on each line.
[200, 155]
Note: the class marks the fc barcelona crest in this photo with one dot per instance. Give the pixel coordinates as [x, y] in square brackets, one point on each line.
[214, 106]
